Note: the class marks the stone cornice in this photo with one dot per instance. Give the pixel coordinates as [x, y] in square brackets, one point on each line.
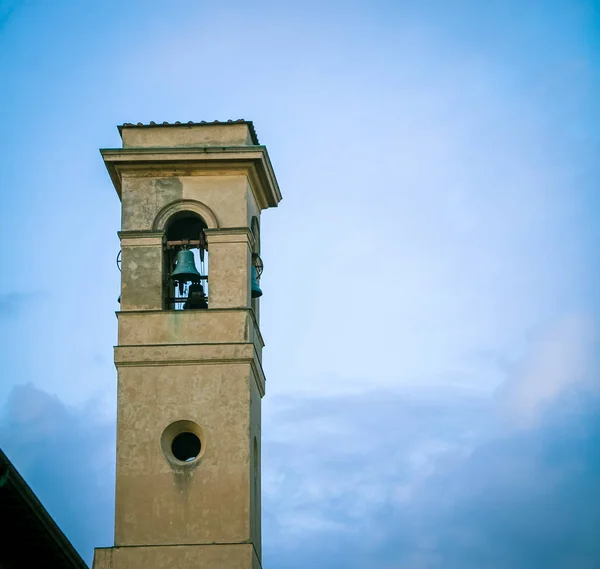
[230, 235]
[141, 238]
[252, 160]
[193, 314]
[139, 233]
[191, 354]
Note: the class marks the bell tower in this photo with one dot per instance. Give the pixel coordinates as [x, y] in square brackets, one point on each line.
[190, 378]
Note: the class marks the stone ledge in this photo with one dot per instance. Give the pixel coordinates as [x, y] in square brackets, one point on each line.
[168, 327]
[252, 160]
[202, 556]
[192, 354]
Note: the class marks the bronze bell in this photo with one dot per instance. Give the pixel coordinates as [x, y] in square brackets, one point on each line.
[255, 291]
[196, 299]
[185, 268]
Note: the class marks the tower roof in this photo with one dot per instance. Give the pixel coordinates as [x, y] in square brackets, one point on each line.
[183, 148]
[153, 124]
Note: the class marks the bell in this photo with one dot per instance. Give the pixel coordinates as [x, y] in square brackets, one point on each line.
[185, 268]
[196, 299]
[255, 291]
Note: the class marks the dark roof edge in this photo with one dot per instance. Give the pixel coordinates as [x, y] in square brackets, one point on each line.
[192, 123]
[13, 480]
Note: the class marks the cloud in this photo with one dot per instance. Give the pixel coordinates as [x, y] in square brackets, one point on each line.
[66, 455]
[438, 477]
[565, 355]
[415, 482]
[528, 499]
[414, 478]
[441, 477]
[7, 8]
[12, 303]
[443, 213]
[334, 464]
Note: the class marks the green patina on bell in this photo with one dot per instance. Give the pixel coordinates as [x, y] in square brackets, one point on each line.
[255, 289]
[185, 268]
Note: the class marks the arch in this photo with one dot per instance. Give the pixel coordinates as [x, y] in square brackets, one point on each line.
[165, 214]
[255, 229]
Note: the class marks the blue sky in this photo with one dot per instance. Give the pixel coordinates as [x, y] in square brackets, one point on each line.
[430, 310]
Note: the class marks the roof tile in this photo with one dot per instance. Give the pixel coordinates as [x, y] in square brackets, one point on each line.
[192, 123]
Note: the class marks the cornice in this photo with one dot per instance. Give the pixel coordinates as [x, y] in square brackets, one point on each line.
[230, 235]
[139, 233]
[150, 355]
[253, 160]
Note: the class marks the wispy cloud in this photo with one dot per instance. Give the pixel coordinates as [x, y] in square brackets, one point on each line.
[7, 7]
[430, 284]
[431, 489]
[12, 303]
[423, 478]
[566, 355]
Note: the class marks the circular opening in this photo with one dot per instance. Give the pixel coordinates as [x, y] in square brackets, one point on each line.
[186, 447]
[183, 442]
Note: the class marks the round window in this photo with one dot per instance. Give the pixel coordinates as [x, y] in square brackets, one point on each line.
[182, 442]
[186, 447]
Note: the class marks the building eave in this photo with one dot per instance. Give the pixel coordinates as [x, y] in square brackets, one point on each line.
[30, 507]
[181, 159]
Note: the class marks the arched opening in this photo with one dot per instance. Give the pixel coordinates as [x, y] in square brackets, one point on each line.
[255, 228]
[185, 284]
[257, 266]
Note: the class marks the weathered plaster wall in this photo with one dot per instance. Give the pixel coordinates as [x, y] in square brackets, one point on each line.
[141, 281]
[187, 326]
[205, 502]
[255, 489]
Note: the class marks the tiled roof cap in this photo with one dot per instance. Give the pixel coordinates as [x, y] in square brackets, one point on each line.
[192, 123]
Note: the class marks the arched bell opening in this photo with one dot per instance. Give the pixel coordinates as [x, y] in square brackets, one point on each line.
[257, 266]
[185, 263]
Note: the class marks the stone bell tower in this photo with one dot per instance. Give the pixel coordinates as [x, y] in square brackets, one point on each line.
[190, 379]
